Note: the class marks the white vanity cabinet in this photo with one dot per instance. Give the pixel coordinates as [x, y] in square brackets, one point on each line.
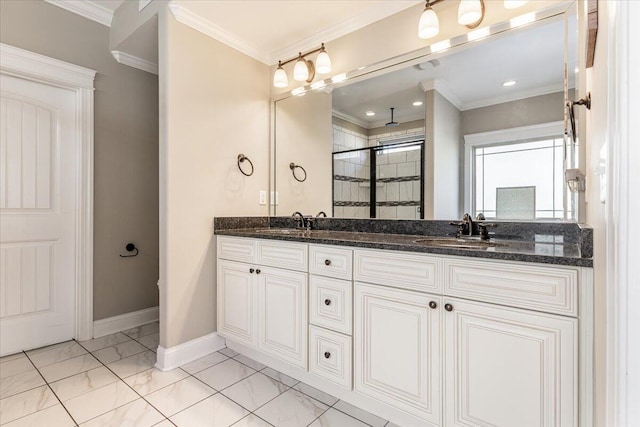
[419, 339]
[262, 306]
[509, 367]
[397, 350]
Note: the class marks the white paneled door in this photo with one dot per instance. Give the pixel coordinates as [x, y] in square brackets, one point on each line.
[38, 195]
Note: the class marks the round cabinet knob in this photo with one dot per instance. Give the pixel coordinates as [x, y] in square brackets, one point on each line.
[327, 355]
[327, 262]
[257, 271]
[327, 302]
[433, 304]
[251, 270]
[448, 307]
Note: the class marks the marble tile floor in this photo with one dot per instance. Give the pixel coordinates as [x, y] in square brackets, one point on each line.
[111, 381]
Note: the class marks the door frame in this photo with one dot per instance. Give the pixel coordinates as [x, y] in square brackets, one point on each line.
[32, 66]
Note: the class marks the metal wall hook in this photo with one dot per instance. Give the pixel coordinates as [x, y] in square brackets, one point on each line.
[293, 168]
[241, 159]
[586, 101]
[130, 248]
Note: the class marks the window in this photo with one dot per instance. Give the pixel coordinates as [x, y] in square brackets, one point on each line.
[517, 174]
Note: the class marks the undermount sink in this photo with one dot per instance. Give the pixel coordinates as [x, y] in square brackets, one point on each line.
[454, 242]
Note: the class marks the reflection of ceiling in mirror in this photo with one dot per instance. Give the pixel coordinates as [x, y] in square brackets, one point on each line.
[470, 78]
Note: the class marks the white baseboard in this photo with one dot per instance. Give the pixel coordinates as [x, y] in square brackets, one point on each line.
[114, 324]
[174, 357]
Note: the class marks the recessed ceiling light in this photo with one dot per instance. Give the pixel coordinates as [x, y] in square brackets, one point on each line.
[370, 113]
[417, 103]
[509, 83]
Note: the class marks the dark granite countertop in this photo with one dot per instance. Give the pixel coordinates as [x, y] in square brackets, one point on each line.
[539, 248]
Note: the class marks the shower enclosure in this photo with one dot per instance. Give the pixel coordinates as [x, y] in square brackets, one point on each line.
[384, 181]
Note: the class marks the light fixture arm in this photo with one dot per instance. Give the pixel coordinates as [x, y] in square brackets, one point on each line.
[302, 55]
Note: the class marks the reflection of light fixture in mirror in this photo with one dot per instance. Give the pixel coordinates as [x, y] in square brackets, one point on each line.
[318, 85]
[304, 69]
[514, 4]
[370, 113]
[298, 92]
[470, 13]
[339, 78]
[417, 103]
[429, 25]
[575, 180]
[525, 19]
[509, 83]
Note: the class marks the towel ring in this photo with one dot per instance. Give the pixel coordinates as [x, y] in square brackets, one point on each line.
[242, 158]
[293, 168]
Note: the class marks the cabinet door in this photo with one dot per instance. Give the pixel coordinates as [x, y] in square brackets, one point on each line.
[237, 302]
[509, 367]
[397, 349]
[282, 314]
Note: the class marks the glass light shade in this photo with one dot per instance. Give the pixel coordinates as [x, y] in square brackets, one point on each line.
[323, 63]
[514, 4]
[300, 70]
[429, 25]
[469, 12]
[280, 78]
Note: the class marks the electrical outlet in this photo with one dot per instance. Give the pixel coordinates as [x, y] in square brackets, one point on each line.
[263, 197]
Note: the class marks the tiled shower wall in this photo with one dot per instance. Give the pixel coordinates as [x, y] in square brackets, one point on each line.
[352, 176]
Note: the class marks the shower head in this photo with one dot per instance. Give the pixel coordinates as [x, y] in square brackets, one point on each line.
[392, 122]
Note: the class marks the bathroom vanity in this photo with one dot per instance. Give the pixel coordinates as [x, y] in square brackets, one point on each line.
[418, 333]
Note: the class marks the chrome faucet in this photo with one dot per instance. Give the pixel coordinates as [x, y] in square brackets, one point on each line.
[465, 227]
[299, 219]
[321, 214]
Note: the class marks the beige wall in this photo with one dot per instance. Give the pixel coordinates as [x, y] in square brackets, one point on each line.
[214, 105]
[303, 136]
[523, 112]
[126, 149]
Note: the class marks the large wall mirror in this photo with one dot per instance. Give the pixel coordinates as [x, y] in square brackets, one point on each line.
[478, 128]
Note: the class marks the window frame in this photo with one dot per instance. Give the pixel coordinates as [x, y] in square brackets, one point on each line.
[501, 137]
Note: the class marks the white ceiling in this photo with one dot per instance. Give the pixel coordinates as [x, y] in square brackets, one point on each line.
[469, 78]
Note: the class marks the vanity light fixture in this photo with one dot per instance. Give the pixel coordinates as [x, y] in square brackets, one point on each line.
[470, 13]
[417, 103]
[304, 69]
[509, 83]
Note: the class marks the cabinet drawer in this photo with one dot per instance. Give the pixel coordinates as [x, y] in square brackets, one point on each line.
[330, 261]
[292, 256]
[330, 356]
[399, 269]
[330, 303]
[549, 289]
[236, 249]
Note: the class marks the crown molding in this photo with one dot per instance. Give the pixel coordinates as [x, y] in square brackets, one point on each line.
[190, 19]
[351, 119]
[516, 96]
[87, 9]
[380, 11]
[135, 62]
[443, 89]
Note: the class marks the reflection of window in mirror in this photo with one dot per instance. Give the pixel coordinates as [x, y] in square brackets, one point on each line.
[518, 174]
